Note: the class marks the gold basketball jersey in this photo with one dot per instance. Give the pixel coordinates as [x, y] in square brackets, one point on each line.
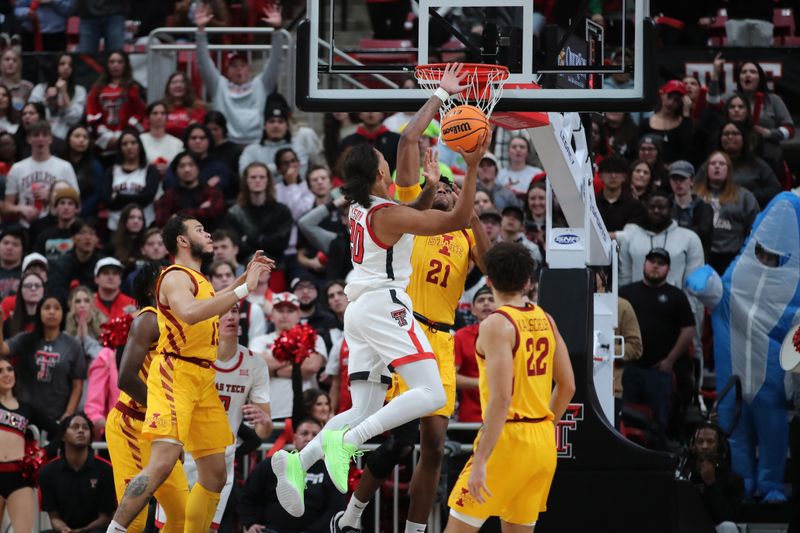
[198, 340]
[533, 364]
[123, 396]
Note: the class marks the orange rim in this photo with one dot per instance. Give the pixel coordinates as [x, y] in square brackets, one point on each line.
[481, 72]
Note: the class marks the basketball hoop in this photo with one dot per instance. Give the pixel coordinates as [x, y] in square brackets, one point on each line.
[484, 84]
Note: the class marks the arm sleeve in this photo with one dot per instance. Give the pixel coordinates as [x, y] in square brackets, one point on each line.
[768, 184]
[309, 224]
[79, 367]
[74, 113]
[269, 76]
[625, 267]
[97, 388]
[629, 330]
[408, 194]
[785, 128]
[208, 71]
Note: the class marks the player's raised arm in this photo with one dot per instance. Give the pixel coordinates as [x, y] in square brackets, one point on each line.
[177, 291]
[397, 220]
[408, 149]
[143, 333]
[563, 376]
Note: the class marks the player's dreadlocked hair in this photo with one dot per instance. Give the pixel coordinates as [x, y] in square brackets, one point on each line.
[509, 266]
[360, 171]
[144, 284]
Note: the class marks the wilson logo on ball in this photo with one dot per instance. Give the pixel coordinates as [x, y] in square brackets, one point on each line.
[458, 128]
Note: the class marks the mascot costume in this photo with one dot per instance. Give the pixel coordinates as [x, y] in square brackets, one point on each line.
[754, 305]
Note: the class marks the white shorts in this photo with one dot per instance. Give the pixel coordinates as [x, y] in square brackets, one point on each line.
[190, 467]
[382, 334]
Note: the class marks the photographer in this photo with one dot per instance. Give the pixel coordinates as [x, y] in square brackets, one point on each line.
[707, 465]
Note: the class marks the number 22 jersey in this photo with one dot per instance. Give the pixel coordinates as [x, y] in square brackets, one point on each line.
[533, 353]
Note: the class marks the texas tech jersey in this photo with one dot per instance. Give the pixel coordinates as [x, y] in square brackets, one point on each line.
[375, 264]
[241, 378]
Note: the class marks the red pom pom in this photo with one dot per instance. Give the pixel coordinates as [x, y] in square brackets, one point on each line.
[295, 344]
[115, 331]
[796, 340]
[32, 461]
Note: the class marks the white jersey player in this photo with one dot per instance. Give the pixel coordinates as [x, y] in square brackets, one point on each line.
[379, 325]
[242, 383]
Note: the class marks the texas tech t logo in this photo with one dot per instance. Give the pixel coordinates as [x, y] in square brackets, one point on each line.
[400, 316]
[565, 427]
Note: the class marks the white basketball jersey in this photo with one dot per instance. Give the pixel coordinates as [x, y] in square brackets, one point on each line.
[241, 378]
[376, 265]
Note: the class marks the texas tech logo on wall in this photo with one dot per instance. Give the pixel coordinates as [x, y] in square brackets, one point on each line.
[564, 429]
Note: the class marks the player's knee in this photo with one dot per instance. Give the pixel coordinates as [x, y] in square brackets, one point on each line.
[436, 397]
[432, 449]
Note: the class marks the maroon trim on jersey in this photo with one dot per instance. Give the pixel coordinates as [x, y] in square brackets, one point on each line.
[516, 331]
[469, 241]
[368, 224]
[526, 307]
[400, 361]
[235, 367]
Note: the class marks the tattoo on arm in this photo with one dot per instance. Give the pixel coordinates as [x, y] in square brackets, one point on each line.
[137, 486]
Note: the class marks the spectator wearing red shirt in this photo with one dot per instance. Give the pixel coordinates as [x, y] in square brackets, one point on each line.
[109, 299]
[183, 108]
[469, 402]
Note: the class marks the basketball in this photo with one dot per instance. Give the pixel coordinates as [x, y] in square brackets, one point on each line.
[463, 126]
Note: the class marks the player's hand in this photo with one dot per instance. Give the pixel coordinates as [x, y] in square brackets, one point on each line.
[272, 15]
[260, 258]
[254, 271]
[430, 168]
[473, 158]
[707, 471]
[202, 16]
[254, 415]
[453, 78]
[477, 482]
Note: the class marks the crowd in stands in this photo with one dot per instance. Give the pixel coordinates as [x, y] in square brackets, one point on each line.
[89, 175]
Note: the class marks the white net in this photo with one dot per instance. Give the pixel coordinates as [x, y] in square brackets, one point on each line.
[484, 85]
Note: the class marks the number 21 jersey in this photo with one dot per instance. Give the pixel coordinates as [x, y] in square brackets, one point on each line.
[376, 265]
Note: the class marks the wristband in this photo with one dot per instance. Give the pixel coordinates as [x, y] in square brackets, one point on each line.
[442, 95]
[241, 291]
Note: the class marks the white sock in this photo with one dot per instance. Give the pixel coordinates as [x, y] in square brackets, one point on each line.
[424, 396]
[413, 527]
[352, 515]
[367, 398]
[114, 527]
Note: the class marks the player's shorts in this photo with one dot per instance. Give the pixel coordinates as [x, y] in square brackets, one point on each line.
[130, 453]
[518, 474]
[183, 406]
[190, 467]
[444, 347]
[381, 332]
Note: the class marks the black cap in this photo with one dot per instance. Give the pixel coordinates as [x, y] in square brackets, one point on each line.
[277, 107]
[613, 163]
[659, 252]
[514, 211]
[491, 213]
[304, 276]
[480, 292]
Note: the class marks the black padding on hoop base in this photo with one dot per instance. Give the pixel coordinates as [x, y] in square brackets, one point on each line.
[609, 483]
